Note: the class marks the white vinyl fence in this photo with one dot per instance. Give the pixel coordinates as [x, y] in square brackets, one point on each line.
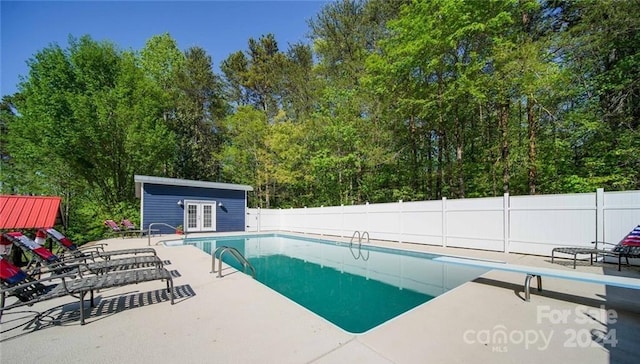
[519, 224]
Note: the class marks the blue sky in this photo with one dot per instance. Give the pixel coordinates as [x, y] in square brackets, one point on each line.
[220, 27]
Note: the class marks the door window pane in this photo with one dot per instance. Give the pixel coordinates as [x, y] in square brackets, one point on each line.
[206, 216]
[192, 216]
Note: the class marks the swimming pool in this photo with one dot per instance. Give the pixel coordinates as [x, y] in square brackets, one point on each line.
[355, 289]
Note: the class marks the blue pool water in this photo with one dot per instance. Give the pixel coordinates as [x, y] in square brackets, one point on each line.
[356, 289]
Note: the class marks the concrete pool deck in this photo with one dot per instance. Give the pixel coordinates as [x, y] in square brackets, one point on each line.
[235, 319]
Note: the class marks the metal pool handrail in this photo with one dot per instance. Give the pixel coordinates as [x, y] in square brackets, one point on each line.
[367, 234]
[236, 254]
[354, 236]
[161, 223]
[213, 257]
[360, 237]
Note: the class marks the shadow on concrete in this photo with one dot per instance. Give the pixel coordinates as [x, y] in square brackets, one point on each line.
[105, 306]
[617, 313]
[610, 267]
[621, 326]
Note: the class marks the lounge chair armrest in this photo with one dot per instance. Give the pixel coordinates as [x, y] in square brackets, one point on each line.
[144, 251]
[97, 247]
[602, 242]
[78, 267]
[89, 249]
[70, 259]
[51, 278]
[82, 255]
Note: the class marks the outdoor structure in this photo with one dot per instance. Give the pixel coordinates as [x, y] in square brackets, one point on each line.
[197, 206]
[28, 212]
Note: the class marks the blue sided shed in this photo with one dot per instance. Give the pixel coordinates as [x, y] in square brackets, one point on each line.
[198, 206]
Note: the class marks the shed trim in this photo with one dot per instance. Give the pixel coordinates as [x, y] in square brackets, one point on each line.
[188, 183]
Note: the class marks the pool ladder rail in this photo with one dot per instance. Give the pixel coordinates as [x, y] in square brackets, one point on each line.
[361, 237]
[234, 253]
[184, 234]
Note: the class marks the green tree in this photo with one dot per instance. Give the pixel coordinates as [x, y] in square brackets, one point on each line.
[235, 69]
[602, 45]
[299, 84]
[258, 77]
[162, 60]
[197, 122]
[352, 143]
[88, 120]
[264, 75]
[245, 158]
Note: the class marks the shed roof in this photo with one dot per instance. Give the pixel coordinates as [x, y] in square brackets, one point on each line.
[28, 212]
[188, 183]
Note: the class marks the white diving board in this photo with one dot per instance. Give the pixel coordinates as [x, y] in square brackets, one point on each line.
[625, 282]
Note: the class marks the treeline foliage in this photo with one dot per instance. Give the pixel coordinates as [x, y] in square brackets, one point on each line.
[390, 100]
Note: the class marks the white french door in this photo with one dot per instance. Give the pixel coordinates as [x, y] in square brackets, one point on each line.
[199, 216]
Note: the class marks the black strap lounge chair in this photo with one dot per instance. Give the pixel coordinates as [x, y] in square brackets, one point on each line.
[41, 256]
[13, 276]
[575, 251]
[17, 283]
[93, 251]
[628, 247]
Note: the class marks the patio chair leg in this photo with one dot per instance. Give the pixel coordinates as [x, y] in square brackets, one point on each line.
[619, 261]
[170, 288]
[2, 297]
[82, 307]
